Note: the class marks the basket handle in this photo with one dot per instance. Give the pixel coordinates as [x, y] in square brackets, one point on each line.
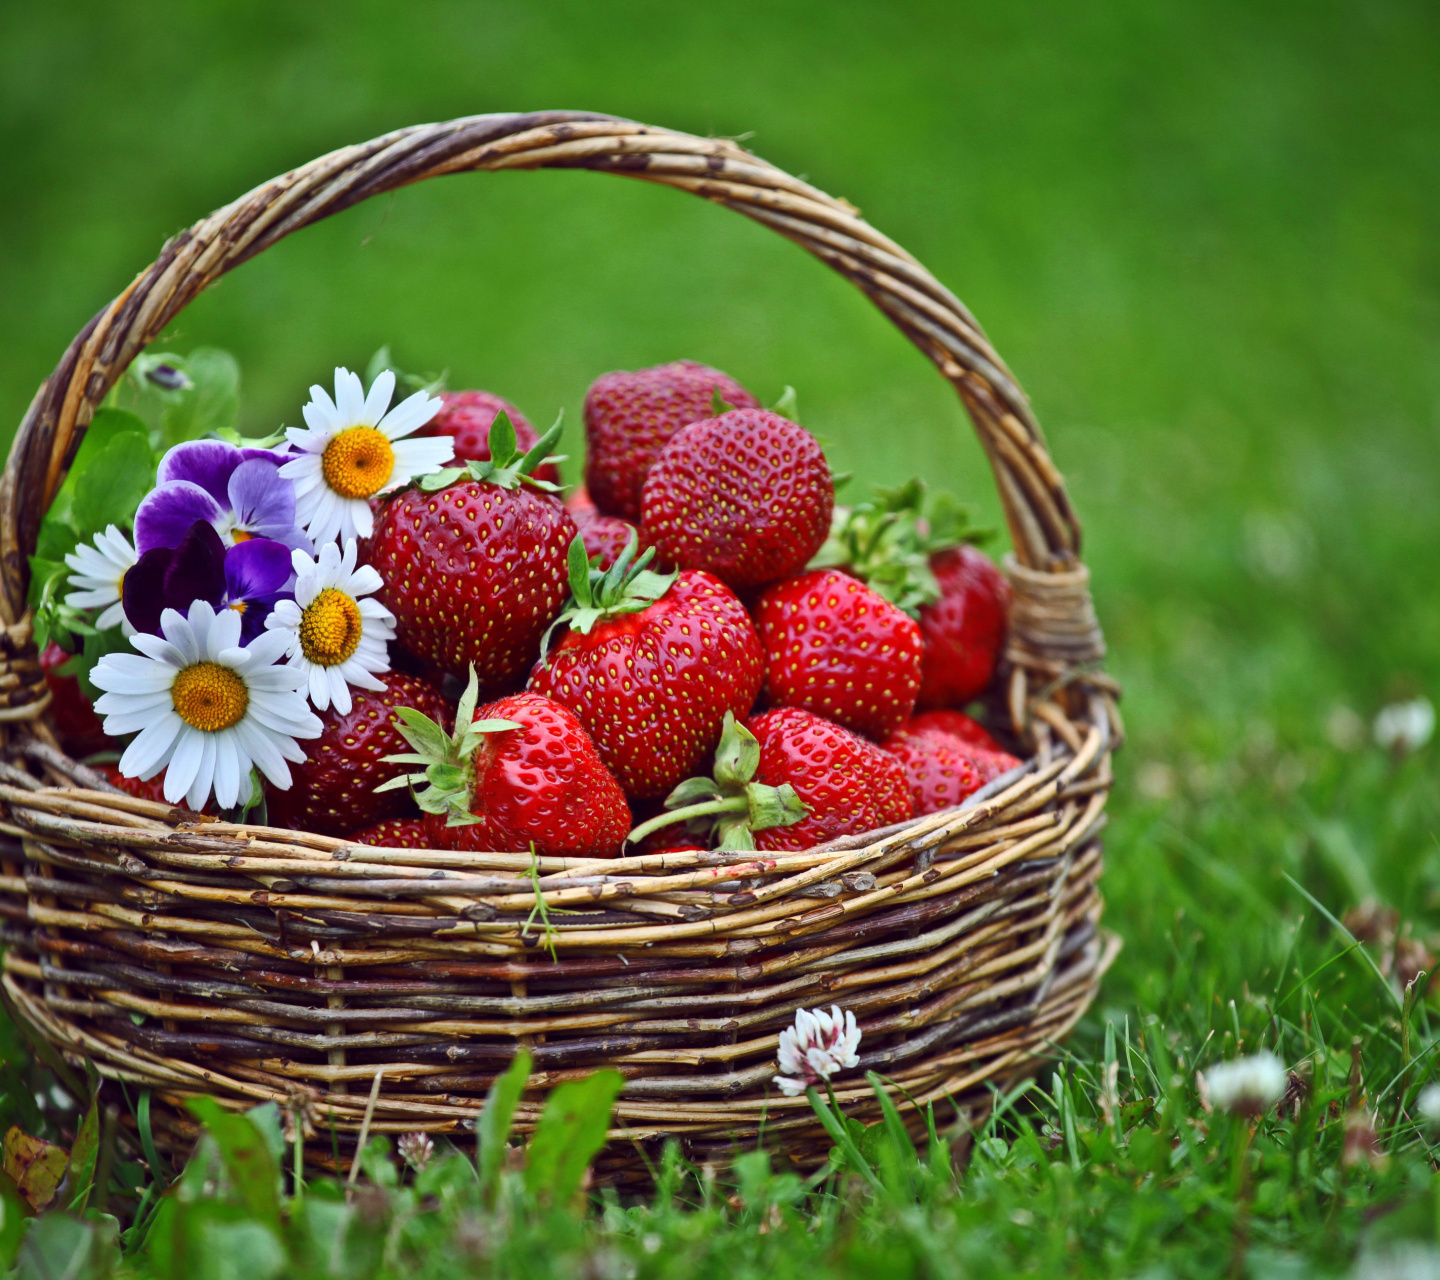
[1043, 526]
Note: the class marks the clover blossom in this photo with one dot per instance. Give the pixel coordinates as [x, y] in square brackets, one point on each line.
[816, 1047]
[1247, 1086]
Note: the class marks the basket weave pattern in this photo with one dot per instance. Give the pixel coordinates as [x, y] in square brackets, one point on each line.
[187, 955]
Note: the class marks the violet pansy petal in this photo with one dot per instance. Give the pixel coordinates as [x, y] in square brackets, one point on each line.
[207, 463]
[167, 512]
[256, 568]
[143, 590]
[263, 502]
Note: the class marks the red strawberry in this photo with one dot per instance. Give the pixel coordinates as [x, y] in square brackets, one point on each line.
[834, 647]
[76, 722]
[964, 629]
[333, 791]
[788, 779]
[746, 496]
[651, 664]
[425, 832]
[475, 572]
[958, 725]
[604, 536]
[630, 416]
[518, 774]
[939, 772]
[943, 767]
[149, 789]
[466, 418]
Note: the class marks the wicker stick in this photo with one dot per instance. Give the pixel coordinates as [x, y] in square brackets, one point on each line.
[392, 986]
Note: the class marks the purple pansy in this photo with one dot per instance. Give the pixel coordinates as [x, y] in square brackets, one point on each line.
[239, 492]
[250, 577]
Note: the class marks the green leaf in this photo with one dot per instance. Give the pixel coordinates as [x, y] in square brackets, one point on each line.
[82, 1158]
[112, 484]
[12, 1226]
[59, 1247]
[570, 1134]
[788, 406]
[212, 402]
[246, 1156]
[492, 1129]
[738, 755]
[57, 539]
[502, 438]
[37, 1166]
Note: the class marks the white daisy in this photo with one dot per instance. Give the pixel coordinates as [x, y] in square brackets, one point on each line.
[98, 571]
[206, 708]
[333, 635]
[351, 449]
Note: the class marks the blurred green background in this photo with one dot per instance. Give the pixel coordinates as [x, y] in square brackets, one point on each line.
[1204, 234]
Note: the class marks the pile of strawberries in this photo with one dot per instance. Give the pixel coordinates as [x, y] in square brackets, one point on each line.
[658, 658]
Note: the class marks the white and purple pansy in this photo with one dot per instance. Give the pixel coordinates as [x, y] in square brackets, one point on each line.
[240, 493]
[249, 578]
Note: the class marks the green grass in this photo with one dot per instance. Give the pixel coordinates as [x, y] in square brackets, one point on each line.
[1204, 235]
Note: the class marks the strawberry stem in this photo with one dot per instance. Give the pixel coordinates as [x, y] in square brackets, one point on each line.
[731, 804]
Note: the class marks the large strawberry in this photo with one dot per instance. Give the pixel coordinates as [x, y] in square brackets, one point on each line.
[333, 791]
[964, 629]
[630, 416]
[76, 722]
[834, 647]
[518, 774]
[938, 772]
[956, 736]
[474, 562]
[746, 496]
[651, 663]
[915, 552]
[789, 779]
[467, 417]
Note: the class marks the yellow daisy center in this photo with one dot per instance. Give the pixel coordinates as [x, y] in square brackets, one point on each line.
[209, 697]
[330, 628]
[358, 462]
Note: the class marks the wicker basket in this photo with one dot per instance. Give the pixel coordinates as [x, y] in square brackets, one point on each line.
[189, 956]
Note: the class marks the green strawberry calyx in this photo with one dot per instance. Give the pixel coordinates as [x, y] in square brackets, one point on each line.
[627, 586]
[445, 785]
[506, 466]
[888, 541]
[730, 804]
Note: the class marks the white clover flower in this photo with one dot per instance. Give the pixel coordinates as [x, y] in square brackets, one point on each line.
[415, 1149]
[332, 635]
[1403, 727]
[1428, 1105]
[352, 449]
[99, 571]
[1249, 1086]
[816, 1047]
[207, 710]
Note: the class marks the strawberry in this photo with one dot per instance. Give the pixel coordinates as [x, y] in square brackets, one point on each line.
[630, 416]
[148, 789]
[958, 725]
[835, 647]
[76, 722]
[651, 663]
[467, 417]
[604, 536]
[964, 629]
[746, 496]
[425, 832]
[333, 791]
[520, 773]
[474, 562]
[939, 773]
[788, 779]
[957, 733]
[914, 552]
